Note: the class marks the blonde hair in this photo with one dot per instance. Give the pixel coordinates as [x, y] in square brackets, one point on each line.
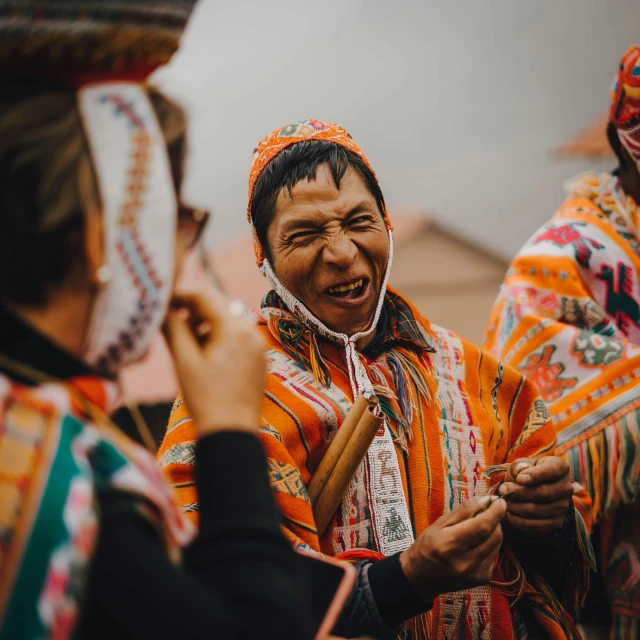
[47, 183]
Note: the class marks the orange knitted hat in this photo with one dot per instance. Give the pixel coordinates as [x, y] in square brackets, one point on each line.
[284, 137]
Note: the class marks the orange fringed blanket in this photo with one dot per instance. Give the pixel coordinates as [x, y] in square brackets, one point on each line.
[568, 317]
[453, 411]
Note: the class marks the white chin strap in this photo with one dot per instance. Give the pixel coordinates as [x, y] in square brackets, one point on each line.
[360, 382]
[385, 494]
[629, 142]
[139, 210]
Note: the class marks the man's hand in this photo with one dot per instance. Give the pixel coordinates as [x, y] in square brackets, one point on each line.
[455, 552]
[542, 491]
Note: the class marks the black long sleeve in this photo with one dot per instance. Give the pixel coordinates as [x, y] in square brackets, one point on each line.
[381, 601]
[384, 598]
[240, 579]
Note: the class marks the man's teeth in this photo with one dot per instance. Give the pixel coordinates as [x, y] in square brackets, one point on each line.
[346, 287]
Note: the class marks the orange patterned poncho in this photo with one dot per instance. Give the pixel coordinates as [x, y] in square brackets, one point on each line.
[471, 413]
[568, 317]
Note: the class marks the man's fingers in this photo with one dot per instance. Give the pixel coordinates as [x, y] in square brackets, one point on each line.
[487, 567]
[538, 494]
[546, 471]
[538, 511]
[474, 531]
[516, 467]
[482, 558]
[490, 553]
[489, 546]
[536, 527]
[463, 511]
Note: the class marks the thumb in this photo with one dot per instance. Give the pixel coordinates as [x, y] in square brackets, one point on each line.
[464, 511]
[516, 467]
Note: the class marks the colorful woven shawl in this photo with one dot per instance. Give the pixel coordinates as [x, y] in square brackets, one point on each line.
[54, 460]
[474, 413]
[568, 317]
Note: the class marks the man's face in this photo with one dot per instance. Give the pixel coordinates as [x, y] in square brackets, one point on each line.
[330, 249]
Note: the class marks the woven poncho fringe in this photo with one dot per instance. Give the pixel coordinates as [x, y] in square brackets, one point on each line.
[567, 317]
[451, 411]
[471, 399]
[608, 463]
[551, 321]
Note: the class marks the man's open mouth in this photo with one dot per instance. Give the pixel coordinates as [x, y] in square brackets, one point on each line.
[349, 291]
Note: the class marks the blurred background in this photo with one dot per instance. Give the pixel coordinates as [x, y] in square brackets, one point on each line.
[473, 114]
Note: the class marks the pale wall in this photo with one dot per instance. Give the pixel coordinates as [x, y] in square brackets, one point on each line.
[456, 103]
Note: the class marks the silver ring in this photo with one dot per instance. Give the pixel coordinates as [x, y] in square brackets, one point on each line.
[236, 308]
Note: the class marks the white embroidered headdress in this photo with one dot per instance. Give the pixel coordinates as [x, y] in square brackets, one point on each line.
[104, 51]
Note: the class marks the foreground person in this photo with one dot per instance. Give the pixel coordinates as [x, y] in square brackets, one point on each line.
[334, 330]
[92, 239]
[568, 317]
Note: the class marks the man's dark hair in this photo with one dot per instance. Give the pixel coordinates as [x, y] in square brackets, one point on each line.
[300, 162]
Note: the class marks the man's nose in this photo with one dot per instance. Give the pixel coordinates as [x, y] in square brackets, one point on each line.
[340, 251]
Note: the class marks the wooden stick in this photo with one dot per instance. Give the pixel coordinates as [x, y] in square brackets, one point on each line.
[337, 446]
[345, 469]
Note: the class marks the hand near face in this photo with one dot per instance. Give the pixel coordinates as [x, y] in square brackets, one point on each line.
[219, 360]
[457, 551]
[542, 491]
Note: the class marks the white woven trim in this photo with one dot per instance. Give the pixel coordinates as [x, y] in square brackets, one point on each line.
[392, 526]
[139, 211]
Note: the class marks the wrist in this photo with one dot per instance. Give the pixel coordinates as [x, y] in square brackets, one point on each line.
[227, 421]
[220, 427]
[394, 596]
[226, 428]
[410, 565]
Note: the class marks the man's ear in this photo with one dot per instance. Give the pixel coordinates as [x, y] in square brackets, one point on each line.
[94, 242]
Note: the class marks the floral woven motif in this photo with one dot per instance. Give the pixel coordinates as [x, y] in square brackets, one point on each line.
[450, 413]
[478, 413]
[568, 317]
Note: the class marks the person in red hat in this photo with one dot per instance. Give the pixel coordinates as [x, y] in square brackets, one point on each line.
[456, 423]
[93, 236]
[568, 317]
